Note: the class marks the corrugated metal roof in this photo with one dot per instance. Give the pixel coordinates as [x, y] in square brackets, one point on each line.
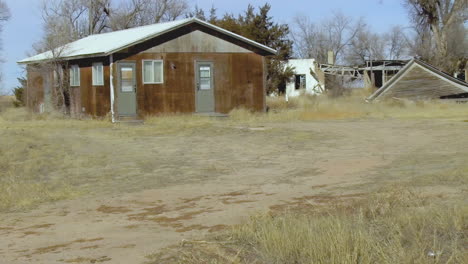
[108, 43]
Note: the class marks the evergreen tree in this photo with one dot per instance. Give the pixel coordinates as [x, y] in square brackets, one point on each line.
[19, 92]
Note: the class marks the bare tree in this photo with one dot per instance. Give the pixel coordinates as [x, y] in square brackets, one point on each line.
[365, 46]
[396, 43]
[334, 34]
[4, 11]
[144, 12]
[440, 22]
[99, 12]
[69, 20]
[4, 16]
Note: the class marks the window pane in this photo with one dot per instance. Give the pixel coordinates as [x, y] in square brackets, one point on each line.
[126, 74]
[100, 74]
[72, 77]
[158, 71]
[205, 71]
[77, 76]
[205, 83]
[148, 71]
[94, 74]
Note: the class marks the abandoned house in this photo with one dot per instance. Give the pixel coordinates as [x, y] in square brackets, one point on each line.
[378, 72]
[374, 73]
[419, 80]
[304, 80]
[184, 66]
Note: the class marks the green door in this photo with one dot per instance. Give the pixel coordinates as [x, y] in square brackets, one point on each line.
[126, 97]
[204, 90]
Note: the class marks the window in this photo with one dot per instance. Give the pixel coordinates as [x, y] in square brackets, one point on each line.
[205, 77]
[98, 74]
[300, 81]
[75, 75]
[152, 71]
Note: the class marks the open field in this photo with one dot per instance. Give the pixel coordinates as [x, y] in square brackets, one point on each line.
[321, 179]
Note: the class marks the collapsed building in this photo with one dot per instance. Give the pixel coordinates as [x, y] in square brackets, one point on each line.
[390, 79]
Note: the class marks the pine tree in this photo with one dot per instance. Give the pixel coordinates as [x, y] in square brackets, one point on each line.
[260, 27]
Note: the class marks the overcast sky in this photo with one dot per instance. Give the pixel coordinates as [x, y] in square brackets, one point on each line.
[25, 26]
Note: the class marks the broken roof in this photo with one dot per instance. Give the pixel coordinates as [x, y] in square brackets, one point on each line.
[461, 85]
[108, 43]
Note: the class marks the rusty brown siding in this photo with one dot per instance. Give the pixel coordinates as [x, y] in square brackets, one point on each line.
[35, 87]
[89, 99]
[238, 82]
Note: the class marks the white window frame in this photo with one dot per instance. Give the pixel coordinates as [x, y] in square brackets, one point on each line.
[95, 73]
[152, 72]
[77, 82]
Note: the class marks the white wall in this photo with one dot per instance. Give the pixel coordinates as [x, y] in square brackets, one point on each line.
[302, 66]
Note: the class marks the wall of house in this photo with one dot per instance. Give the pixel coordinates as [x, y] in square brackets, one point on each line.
[239, 76]
[302, 66]
[420, 84]
[238, 82]
[93, 100]
[239, 79]
[38, 88]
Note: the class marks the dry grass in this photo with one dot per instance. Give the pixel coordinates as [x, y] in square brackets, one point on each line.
[51, 157]
[394, 225]
[6, 102]
[398, 220]
[397, 224]
[307, 108]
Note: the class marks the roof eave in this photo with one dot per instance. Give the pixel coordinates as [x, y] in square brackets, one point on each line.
[92, 55]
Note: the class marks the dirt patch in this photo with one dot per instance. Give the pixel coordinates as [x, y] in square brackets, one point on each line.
[127, 246]
[88, 240]
[236, 193]
[131, 226]
[38, 226]
[113, 209]
[231, 201]
[194, 199]
[175, 221]
[148, 212]
[211, 229]
[217, 228]
[313, 202]
[55, 248]
[49, 249]
[28, 233]
[90, 247]
[87, 260]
